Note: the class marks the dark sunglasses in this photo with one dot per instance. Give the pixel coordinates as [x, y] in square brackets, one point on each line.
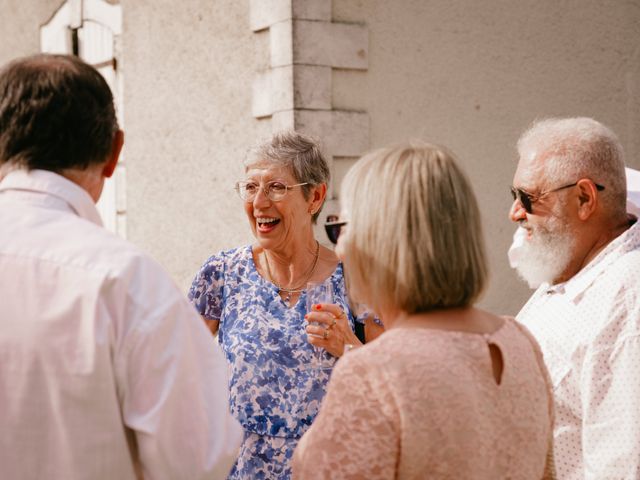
[333, 230]
[528, 199]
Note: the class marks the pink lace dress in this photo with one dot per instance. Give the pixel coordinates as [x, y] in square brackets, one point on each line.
[421, 403]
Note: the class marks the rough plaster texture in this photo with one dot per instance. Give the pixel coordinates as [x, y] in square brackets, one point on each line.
[338, 45]
[264, 13]
[473, 75]
[273, 91]
[307, 43]
[291, 86]
[20, 26]
[189, 68]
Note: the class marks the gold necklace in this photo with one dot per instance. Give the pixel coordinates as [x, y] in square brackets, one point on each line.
[299, 289]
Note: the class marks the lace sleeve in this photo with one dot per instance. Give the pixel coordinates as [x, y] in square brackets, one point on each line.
[356, 433]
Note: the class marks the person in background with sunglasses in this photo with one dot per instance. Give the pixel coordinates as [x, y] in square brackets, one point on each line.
[449, 390]
[582, 251]
[254, 297]
[371, 326]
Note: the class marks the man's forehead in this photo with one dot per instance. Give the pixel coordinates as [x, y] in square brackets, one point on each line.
[529, 156]
[530, 167]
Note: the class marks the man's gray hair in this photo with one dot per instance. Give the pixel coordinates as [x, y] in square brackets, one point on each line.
[575, 148]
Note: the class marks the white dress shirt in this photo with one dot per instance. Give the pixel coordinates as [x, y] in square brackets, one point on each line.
[106, 370]
[589, 331]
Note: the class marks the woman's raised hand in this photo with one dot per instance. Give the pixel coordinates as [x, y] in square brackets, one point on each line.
[329, 328]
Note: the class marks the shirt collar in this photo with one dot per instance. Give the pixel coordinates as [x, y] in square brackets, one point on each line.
[575, 286]
[51, 183]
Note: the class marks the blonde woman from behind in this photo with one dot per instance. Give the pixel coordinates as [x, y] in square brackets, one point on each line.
[449, 390]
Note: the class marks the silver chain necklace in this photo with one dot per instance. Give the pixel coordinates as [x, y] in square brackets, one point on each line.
[289, 291]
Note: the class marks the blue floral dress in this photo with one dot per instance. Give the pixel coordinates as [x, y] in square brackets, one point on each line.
[272, 394]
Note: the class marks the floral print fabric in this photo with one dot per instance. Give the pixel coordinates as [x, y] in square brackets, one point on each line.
[273, 393]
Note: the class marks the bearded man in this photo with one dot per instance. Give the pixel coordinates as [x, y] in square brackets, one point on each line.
[582, 251]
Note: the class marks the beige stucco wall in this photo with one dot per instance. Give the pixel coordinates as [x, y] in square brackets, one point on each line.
[188, 69]
[473, 75]
[19, 26]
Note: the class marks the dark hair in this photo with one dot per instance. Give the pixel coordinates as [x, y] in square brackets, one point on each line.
[56, 112]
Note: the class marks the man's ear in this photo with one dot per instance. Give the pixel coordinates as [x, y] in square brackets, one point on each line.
[116, 148]
[587, 198]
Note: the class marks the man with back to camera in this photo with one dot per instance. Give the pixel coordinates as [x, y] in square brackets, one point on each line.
[106, 371]
[582, 251]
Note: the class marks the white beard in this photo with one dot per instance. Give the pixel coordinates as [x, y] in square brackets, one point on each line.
[546, 254]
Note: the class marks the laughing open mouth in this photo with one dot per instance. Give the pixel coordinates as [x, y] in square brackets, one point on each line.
[267, 223]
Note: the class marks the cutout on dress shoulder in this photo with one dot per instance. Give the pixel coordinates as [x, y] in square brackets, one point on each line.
[497, 362]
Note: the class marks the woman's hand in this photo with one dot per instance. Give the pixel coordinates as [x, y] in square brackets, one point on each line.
[329, 328]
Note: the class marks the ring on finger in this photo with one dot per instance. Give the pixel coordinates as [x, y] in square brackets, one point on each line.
[333, 322]
[325, 334]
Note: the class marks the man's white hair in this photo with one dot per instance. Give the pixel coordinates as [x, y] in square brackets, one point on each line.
[574, 148]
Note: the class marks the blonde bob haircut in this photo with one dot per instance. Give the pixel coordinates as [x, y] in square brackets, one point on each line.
[414, 241]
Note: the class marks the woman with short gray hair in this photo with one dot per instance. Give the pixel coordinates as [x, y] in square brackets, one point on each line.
[254, 297]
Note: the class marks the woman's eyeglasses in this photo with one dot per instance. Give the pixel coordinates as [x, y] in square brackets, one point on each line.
[333, 230]
[527, 199]
[274, 191]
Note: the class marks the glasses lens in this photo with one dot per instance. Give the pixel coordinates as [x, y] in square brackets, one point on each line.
[522, 197]
[333, 230]
[247, 190]
[276, 191]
